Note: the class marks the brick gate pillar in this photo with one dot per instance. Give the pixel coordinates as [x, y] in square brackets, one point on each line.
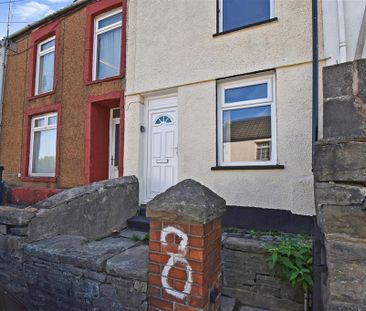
[185, 248]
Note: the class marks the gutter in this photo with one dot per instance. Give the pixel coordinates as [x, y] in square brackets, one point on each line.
[315, 114]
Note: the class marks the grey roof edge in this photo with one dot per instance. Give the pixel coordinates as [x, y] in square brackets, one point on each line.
[75, 5]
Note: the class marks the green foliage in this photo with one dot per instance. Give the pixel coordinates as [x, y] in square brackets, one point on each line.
[137, 238]
[291, 259]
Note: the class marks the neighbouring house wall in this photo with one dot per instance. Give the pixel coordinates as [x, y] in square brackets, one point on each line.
[342, 23]
[340, 192]
[71, 92]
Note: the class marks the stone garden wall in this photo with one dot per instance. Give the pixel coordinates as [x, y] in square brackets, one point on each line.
[248, 279]
[340, 175]
[69, 273]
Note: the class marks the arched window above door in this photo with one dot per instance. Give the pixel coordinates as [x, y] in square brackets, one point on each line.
[163, 120]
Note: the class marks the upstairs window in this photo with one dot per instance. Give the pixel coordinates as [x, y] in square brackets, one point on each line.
[107, 45]
[43, 142]
[45, 66]
[235, 14]
[246, 122]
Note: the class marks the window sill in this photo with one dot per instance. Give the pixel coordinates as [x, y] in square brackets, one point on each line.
[246, 26]
[248, 167]
[33, 97]
[104, 80]
[39, 179]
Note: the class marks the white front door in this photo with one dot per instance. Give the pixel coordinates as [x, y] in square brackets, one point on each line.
[162, 151]
[114, 143]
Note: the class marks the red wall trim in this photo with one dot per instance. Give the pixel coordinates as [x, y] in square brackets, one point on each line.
[37, 36]
[29, 195]
[109, 100]
[91, 12]
[121, 133]
[26, 142]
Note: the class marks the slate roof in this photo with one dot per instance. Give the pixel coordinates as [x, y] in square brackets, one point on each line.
[243, 130]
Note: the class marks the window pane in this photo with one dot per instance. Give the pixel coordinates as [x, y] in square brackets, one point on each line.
[39, 122]
[52, 120]
[116, 145]
[109, 54]
[45, 78]
[250, 92]
[243, 129]
[49, 44]
[44, 152]
[238, 13]
[110, 20]
[115, 113]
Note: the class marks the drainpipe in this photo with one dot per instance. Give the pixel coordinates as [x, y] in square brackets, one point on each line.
[3, 54]
[341, 32]
[315, 72]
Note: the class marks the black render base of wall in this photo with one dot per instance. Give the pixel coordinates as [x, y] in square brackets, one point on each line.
[264, 219]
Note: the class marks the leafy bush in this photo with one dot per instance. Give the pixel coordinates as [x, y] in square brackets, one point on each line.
[291, 259]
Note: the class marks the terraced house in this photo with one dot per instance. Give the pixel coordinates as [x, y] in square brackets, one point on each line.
[62, 120]
[221, 91]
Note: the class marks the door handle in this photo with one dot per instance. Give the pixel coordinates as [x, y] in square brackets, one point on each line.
[162, 161]
[112, 161]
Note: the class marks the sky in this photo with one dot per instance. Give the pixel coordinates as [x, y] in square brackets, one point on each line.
[25, 12]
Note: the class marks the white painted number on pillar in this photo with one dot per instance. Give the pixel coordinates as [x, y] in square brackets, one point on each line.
[173, 260]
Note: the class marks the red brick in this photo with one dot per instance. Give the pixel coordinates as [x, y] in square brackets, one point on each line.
[198, 290]
[158, 258]
[198, 302]
[179, 307]
[198, 278]
[155, 246]
[179, 285]
[169, 297]
[196, 254]
[154, 279]
[180, 226]
[155, 268]
[154, 291]
[155, 225]
[197, 230]
[161, 304]
[154, 236]
[196, 266]
[170, 248]
[197, 241]
[179, 274]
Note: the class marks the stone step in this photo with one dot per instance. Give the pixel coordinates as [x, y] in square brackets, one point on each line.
[249, 308]
[139, 223]
[10, 215]
[142, 210]
[227, 303]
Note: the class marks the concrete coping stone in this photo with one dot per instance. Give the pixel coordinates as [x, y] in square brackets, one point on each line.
[246, 245]
[188, 201]
[15, 216]
[132, 263]
[77, 192]
[77, 251]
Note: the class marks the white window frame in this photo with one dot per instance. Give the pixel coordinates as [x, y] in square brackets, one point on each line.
[100, 31]
[269, 100]
[40, 129]
[38, 62]
[221, 14]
